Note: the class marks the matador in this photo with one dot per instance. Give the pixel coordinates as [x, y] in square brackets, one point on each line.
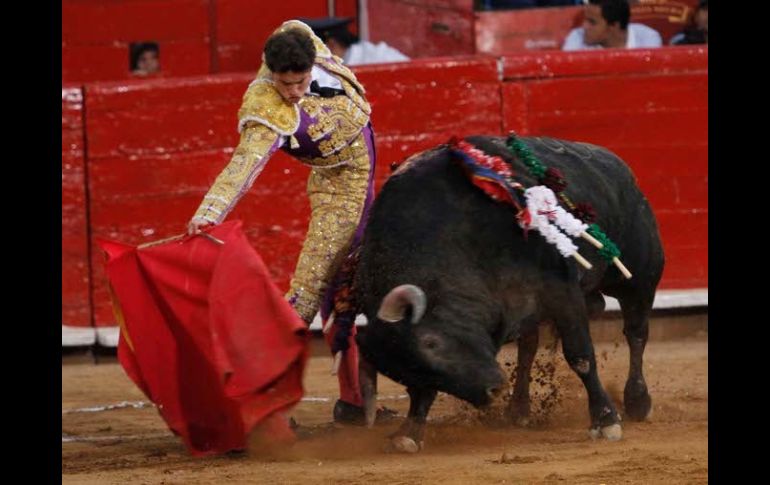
[307, 103]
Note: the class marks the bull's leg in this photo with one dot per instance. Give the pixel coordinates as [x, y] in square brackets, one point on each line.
[409, 437]
[579, 353]
[367, 382]
[595, 304]
[518, 409]
[636, 311]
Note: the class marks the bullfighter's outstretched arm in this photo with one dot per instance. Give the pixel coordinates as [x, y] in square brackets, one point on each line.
[257, 145]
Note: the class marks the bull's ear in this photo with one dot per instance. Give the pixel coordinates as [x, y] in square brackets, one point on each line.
[394, 306]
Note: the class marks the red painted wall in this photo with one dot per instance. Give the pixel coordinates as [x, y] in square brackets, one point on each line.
[194, 36]
[242, 29]
[213, 36]
[76, 308]
[648, 106]
[506, 31]
[420, 105]
[426, 28]
[96, 37]
[155, 146]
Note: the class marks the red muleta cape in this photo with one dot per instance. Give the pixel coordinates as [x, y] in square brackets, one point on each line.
[208, 337]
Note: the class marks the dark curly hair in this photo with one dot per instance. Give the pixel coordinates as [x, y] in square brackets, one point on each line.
[291, 50]
[614, 11]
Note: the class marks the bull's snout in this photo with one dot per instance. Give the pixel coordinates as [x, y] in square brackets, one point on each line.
[496, 387]
[494, 392]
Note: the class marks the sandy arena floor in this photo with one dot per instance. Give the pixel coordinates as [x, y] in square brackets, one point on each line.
[132, 444]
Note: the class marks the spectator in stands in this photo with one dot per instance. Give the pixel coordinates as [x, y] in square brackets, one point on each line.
[345, 45]
[145, 59]
[606, 24]
[698, 30]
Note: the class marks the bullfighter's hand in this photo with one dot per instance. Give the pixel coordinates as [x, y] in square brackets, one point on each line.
[196, 224]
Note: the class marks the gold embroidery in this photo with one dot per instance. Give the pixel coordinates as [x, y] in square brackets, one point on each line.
[345, 156]
[337, 197]
[350, 84]
[338, 118]
[336, 142]
[247, 161]
[311, 105]
[262, 103]
[337, 185]
[324, 123]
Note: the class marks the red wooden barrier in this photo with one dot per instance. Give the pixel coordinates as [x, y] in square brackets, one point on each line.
[242, 29]
[420, 105]
[194, 36]
[154, 149]
[76, 309]
[155, 146]
[503, 32]
[424, 28]
[655, 119]
[96, 36]
[212, 36]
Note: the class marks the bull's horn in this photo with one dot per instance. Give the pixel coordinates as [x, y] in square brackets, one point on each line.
[393, 306]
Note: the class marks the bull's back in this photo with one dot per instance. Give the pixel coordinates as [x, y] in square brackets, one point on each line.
[429, 221]
[598, 177]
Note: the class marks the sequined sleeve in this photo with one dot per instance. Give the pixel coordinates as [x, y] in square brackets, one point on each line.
[257, 145]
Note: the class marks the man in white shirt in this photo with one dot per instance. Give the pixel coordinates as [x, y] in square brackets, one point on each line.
[605, 25]
[343, 44]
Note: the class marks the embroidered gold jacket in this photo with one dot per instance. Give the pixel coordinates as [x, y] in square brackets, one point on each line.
[320, 132]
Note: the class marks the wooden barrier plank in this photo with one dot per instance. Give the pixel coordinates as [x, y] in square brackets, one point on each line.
[130, 21]
[76, 310]
[424, 28]
[605, 62]
[155, 147]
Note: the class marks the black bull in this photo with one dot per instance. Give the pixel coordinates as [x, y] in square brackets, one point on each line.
[446, 277]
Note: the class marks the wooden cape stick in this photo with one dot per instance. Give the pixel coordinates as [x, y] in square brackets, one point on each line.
[177, 237]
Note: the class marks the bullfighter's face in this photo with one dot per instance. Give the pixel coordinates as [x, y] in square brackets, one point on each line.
[292, 85]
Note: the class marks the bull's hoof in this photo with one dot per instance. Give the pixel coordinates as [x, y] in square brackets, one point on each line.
[638, 406]
[345, 413]
[518, 412]
[612, 432]
[403, 444]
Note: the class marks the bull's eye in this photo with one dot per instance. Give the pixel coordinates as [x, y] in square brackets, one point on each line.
[430, 342]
